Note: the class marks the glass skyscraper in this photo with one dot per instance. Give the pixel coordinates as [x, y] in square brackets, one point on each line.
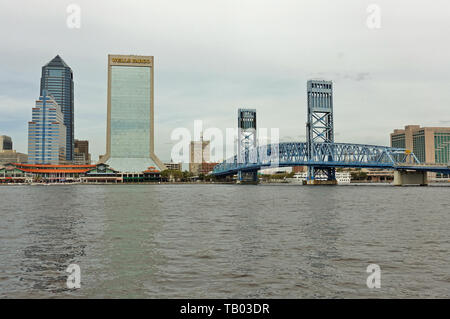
[130, 122]
[57, 79]
[46, 132]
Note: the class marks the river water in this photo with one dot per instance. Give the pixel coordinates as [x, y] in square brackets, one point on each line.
[224, 241]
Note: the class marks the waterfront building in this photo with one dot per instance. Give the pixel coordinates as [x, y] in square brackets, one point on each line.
[101, 174]
[430, 144]
[46, 132]
[130, 114]
[70, 173]
[9, 173]
[174, 166]
[5, 143]
[81, 152]
[57, 80]
[151, 174]
[199, 153]
[48, 173]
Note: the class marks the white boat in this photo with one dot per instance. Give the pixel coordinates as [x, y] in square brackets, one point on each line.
[341, 178]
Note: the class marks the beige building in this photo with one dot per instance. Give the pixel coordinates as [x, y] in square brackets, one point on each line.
[174, 166]
[430, 144]
[11, 156]
[7, 154]
[199, 153]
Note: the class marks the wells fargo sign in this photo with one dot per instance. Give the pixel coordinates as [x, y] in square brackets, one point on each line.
[131, 60]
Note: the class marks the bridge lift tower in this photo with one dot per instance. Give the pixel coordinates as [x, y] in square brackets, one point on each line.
[319, 127]
[247, 144]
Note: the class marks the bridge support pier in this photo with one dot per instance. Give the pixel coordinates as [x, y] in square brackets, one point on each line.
[247, 177]
[402, 178]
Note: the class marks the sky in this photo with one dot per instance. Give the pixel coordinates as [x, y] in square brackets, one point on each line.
[212, 57]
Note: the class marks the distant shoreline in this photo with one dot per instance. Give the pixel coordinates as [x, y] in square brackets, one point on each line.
[358, 183]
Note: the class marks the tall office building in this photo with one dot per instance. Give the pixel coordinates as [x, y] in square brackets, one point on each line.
[46, 133]
[5, 143]
[81, 153]
[130, 117]
[57, 79]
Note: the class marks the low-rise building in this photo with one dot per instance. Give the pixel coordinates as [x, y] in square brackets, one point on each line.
[174, 166]
[11, 156]
[48, 173]
[101, 174]
[151, 174]
[9, 173]
[55, 173]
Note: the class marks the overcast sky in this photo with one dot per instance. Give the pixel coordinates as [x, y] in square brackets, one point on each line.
[212, 57]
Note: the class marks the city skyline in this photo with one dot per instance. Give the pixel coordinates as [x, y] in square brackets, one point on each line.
[379, 83]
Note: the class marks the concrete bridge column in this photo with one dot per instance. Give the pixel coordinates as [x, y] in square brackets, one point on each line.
[410, 178]
[247, 177]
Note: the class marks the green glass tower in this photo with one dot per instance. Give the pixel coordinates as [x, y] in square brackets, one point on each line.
[130, 122]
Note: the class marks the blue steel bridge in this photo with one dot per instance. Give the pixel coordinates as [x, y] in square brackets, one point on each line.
[319, 153]
[326, 155]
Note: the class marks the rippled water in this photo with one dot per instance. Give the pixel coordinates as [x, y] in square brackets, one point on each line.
[224, 241]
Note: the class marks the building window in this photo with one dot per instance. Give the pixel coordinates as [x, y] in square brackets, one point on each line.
[442, 148]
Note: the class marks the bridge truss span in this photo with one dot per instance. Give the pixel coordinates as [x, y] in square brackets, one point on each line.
[322, 155]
